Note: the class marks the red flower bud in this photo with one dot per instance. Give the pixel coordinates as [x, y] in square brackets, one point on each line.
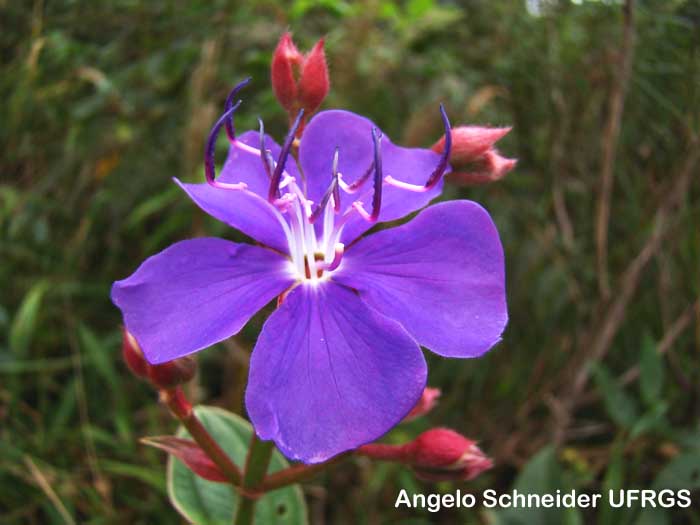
[173, 373]
[314, 82]
[442, 454]
[474, 159]
[425, 404]
[133, 356]
[286, 62]
[166, 375]
[299, 81]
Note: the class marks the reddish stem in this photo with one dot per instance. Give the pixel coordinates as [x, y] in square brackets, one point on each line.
[182, 409]
[383, 452]
[297, 474]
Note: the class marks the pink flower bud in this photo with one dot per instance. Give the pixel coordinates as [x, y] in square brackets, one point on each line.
[425, 404]
[469, 143]
[314, 82]
[442, 454]
[286, 61]
[490, 168]
[133, 356]
[474, 158]
[173, 373]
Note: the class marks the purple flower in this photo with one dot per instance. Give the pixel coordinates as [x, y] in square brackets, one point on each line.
[339, 362]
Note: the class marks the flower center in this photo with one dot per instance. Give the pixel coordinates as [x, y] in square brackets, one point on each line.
[314, 247]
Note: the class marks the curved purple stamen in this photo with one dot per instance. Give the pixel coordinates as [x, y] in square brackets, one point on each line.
[265, 155]
[354, 186]
[209, 150]
[336, 185]
[333, 189]
[279, 168]
[378, 179]
[230, 130]
[444, 159]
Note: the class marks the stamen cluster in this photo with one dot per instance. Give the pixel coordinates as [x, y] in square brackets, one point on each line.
[315, 251]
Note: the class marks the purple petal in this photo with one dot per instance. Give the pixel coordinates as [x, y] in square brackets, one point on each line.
[441, 276]
[249, 213]
[196, 293]
[352, 134]
[242, 210]
[242, 166]
[329, 374]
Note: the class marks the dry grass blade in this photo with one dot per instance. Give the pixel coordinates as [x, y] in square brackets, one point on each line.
[610, 138]
[43, 483]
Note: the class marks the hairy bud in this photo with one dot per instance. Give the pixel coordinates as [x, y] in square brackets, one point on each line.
[286, 62]
[439, 454]
[425, 404]
[299, 81]
[173, 373]
[474, 158]
[314, 82]
[133, 356]
[164, 376]
[442, 454]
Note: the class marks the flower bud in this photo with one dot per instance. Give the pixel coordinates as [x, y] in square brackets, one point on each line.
[469, 143]
[425, 404]
[491, 168]
[314, 82]
[133, 356]
[474, 158]
[299, 81]
[286, 61]
[441, 454]
[173, 373]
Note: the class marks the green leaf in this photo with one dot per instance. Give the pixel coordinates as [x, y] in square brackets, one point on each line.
[682, 472]
[621, 407]
[145, 474]
[151, 206]
[651, 372]
[653, 419]
[653, 516]
[614, 480]
[24, 324]
[204, 502]
[542, 475]
[98, 355]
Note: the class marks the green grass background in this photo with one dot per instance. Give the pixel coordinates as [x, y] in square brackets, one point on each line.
[103, 102]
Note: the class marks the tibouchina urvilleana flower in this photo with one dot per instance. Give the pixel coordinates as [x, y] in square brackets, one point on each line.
[339, 362]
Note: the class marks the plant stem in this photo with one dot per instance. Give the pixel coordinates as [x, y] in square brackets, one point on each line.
[383, 452]
[297, 473]
[256, 465]
[182, 409]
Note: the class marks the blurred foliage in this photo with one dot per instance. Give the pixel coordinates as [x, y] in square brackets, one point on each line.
[104, 102]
